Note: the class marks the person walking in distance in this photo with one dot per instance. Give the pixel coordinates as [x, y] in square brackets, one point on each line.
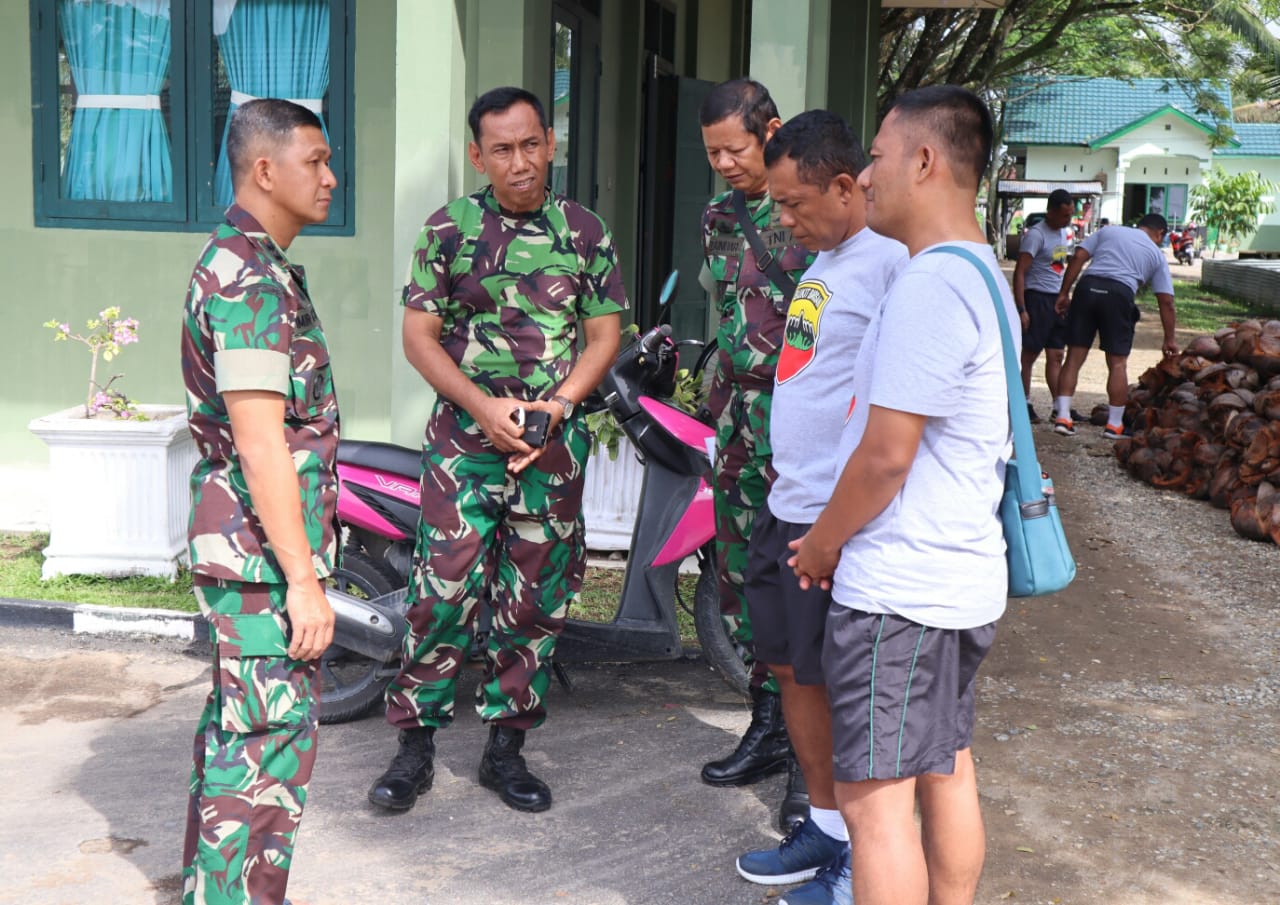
[1120, 259]
[502, 284]
[751, 267]
[1037, 277]
[264, 416]
[813, 162]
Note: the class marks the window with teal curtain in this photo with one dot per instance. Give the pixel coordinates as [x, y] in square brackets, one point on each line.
[270, 48]
[117, 52]
[130, 99]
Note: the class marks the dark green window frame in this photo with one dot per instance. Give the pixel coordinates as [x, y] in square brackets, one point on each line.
[192, 140]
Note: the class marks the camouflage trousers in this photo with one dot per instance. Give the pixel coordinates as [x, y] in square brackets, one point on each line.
[514, 540]
[743, 475]
[255, 747]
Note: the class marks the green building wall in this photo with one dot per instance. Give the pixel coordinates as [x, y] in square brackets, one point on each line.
[418, 63]
[72, 274]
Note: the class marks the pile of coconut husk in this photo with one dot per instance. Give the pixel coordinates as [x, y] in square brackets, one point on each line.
[1207, 423]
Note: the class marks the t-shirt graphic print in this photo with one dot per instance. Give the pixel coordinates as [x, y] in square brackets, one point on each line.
[800, 337]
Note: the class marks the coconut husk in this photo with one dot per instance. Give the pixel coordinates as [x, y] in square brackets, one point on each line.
[1267, 404]
[1225, 479]
[1204, 347]
[1245, 519]
[1207, 454]
[1142, 464]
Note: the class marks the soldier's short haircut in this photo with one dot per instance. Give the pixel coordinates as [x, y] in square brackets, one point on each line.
[263, 124]
[500, 100]
[1059, 197]
[822, 145]
[1154, 221]
[959, 120]
[745, 98]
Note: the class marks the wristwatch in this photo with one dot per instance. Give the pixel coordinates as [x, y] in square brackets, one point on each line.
[565, 403]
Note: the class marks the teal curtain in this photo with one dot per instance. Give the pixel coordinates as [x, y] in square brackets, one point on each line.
[118, 53]
[272, 48]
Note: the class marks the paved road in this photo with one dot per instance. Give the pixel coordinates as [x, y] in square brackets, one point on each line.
[93, 768]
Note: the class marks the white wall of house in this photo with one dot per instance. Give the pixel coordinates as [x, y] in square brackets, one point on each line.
[1167, 134]
[1076, 164]
[1267, 238]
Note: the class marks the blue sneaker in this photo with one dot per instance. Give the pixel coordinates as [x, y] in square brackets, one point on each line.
[801, 854]
[832, 886]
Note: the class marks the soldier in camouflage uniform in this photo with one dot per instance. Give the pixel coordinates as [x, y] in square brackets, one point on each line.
[738, 118]
[261, 407]
[501, 284]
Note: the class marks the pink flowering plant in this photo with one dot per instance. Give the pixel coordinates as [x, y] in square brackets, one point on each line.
[104, 335]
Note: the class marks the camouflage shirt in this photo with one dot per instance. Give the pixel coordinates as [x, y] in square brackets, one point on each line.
[753, 311]
[249, 325]
[511, 288]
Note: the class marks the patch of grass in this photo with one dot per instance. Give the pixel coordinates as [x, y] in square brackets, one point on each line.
[1202, 310]
[21, 558]
[602, 589]
[20, 561]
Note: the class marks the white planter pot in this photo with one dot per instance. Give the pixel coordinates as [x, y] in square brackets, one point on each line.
[119, 494]
[610, 497]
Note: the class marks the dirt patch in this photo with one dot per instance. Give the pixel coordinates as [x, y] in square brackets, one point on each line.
[74, 688]
[1128, 725]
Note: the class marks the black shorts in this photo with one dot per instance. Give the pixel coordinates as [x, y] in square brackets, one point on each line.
[787, 624]
[1105, 308]
[901, 693]
[1048, 328]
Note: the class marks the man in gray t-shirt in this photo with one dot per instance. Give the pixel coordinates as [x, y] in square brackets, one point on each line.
[1037, 277]
[1121, 260]
[813, 162]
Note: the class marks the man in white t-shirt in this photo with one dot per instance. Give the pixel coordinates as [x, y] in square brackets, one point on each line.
[1037, 277]
[1121, 260]
[911, 541]
[813, 164]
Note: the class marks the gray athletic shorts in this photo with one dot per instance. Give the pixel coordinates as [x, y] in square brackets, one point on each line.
[787, 624]
[901, 693]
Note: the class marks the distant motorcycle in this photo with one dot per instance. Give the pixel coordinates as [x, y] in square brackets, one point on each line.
[1185, 243]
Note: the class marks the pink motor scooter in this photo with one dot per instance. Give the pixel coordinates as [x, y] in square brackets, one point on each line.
[378, 506]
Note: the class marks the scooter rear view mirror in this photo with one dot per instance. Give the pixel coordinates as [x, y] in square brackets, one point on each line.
[664, 297]
[669, 287]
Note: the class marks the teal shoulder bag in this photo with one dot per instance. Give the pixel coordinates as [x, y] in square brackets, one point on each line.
[1040, 561]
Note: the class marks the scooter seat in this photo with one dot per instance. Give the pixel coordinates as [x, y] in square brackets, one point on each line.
[380, 457]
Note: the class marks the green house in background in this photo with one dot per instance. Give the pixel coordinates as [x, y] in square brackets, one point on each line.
[112, 166]
[1143, 145]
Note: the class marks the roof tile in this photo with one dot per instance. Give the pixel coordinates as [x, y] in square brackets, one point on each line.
[1073, 110]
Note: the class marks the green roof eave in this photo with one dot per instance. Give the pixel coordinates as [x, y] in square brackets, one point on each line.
[1047, 144]
[1153, 115]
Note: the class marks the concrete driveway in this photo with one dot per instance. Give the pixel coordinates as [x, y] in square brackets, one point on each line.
[93, 771]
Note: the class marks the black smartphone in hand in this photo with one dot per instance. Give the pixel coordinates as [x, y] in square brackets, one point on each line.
[536, 425]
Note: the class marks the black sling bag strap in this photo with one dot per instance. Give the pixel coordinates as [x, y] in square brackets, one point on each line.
[765, 261]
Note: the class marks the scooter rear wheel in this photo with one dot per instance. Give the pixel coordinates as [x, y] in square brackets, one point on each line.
[350, 682]
[719, 649]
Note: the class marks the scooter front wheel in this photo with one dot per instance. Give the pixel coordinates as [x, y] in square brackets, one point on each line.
[718, 647]
[350, 682]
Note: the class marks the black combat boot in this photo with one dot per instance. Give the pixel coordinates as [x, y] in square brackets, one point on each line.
[503, 770]
[763, 750]
[411, 772]
[795, 803]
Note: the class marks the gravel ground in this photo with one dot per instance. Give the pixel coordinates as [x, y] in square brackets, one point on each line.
[1128, 725]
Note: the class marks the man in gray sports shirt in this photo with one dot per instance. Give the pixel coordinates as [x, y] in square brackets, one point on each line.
[1123, 259]
[813, 163]
[1037, 277]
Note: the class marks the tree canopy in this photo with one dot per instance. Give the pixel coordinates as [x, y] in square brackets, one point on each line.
[1180, 39]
